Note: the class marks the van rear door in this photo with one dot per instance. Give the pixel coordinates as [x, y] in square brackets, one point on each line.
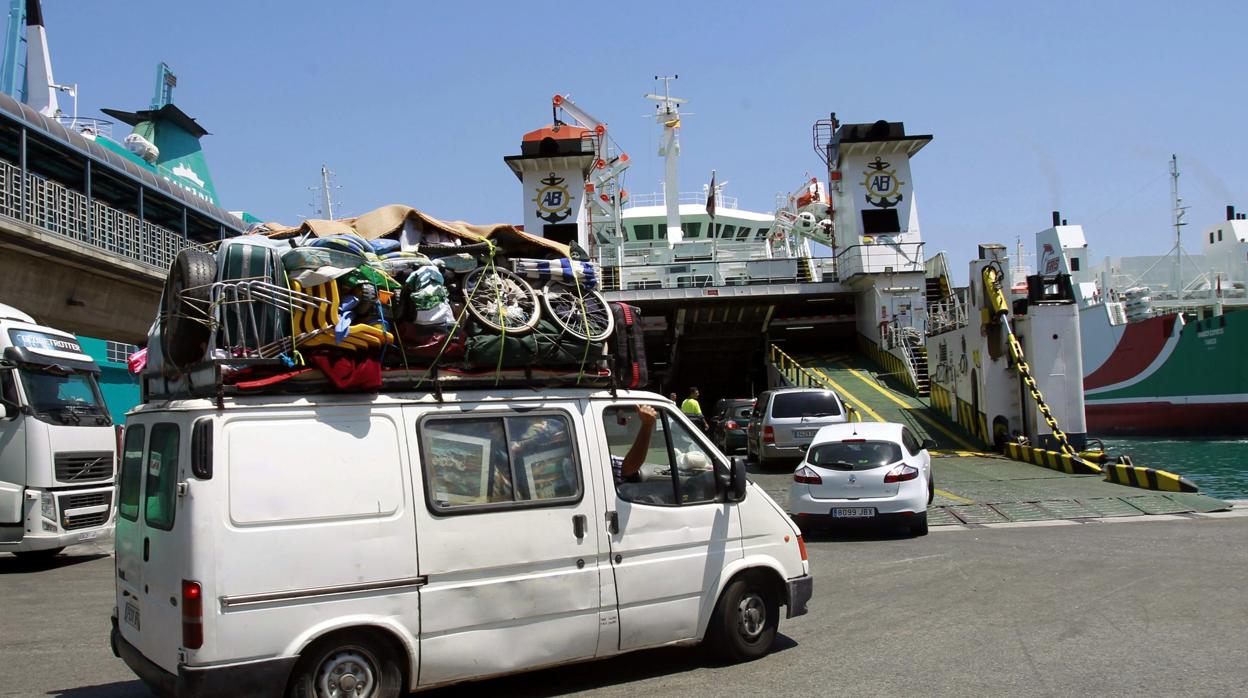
[148, 561]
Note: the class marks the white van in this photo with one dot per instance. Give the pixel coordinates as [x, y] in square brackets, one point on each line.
[367, 545]
[57, 442]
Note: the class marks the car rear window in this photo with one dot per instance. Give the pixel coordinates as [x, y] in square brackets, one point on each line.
[741, 412]
[854, 455]
[814, 404]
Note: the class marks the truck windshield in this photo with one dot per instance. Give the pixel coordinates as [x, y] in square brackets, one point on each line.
[67, 398]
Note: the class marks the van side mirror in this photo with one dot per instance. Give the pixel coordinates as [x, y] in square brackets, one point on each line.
[929, 444]
[738, 480]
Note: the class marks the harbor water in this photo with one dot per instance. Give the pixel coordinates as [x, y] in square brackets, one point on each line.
[1218, 466]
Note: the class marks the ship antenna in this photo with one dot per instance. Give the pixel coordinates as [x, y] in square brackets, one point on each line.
[324, 206]
[1180, 212]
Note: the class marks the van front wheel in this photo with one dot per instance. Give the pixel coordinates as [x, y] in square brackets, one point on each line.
[349, 665]
[744, 624]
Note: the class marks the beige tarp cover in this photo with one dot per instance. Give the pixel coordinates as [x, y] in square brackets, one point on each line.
[387, 222]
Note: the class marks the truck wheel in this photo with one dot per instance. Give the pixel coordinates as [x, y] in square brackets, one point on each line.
[38, 555]
[185, 323]
[351, 664]
[744, 624]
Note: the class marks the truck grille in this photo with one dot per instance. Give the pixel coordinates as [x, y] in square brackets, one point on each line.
[69, 502]
[84, 466]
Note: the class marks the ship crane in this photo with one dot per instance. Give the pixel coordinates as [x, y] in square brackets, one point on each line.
[603, 190]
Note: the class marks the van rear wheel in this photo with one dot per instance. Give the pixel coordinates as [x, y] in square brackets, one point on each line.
[744, 624]
[348, 665]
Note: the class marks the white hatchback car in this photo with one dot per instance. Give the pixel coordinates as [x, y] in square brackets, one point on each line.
[877, 472]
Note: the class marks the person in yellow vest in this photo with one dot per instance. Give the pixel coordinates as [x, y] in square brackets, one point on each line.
[692, 409]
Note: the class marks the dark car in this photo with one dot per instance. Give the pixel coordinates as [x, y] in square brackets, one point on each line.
[729, 422]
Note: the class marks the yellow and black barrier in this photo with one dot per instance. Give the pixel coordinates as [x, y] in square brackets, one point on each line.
[1147, 478]
[1051, 459]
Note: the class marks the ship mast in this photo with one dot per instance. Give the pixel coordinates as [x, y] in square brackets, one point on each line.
[667, 114]
[1179, 213]
[325, 195]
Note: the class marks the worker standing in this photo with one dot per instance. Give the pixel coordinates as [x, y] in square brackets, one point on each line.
[693, 410]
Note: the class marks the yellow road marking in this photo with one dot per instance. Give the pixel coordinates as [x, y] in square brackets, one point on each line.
[850, 396]
[954, 497]
[910, 408]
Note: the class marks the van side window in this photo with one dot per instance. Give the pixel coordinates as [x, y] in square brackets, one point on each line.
[131, 473]
[499, 462]
[643, 468]
[8, 387]
[162, 476]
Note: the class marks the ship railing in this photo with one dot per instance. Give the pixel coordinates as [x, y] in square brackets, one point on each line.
[87, 125]
[710, 274]
[945, 315]
[57, 209]
[685, 197]
[880, 258]
[793, 373]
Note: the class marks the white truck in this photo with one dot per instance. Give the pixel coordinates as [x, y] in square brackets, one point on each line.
[57, 441]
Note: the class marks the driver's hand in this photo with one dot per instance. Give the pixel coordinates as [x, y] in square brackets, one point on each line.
[647, 414]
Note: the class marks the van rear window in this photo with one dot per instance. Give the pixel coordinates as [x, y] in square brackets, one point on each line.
[162, 476]
[131, 473]
[499, 462]
[813, 404]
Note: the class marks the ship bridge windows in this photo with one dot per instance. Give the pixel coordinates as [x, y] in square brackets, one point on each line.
[881, 222]
[691, 230]
[643, 232]
[743, 233]
[729, 231]
[762, 233]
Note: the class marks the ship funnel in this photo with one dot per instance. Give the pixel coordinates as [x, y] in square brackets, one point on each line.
[1230, 212]
[1057, 218]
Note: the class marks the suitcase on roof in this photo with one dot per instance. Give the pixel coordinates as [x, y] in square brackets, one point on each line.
[251, 276]
[628, 348]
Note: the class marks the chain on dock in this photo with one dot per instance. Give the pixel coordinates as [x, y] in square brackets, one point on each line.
[1000, 307]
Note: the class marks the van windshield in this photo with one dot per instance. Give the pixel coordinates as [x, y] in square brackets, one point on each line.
[64, 397]
[821, 403]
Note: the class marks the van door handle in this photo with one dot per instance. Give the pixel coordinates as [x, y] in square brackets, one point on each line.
[613, 522]
[147, 547]
[578, 526]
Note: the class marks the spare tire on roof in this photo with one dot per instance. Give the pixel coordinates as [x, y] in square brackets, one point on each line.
[185, 326]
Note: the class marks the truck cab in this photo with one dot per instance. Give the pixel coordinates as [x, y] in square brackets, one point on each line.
[57, 441]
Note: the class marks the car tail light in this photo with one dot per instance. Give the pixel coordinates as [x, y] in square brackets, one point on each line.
[769, 435]
[807, 476]
[901, 473]
[731, 424]
[192, 615]
[801, 547]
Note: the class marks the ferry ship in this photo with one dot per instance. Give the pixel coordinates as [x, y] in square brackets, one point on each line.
[1167, 361]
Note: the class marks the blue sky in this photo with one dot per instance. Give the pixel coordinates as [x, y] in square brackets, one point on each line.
[1033, 106]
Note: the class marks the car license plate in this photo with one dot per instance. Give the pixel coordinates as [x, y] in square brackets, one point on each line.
[805, 433]
[132, 615]
[88, 535]
[853, 512]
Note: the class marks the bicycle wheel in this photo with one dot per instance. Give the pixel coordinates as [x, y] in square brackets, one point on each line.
[583, 315]
[501, 300]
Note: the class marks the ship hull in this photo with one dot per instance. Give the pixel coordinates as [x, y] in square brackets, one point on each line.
[1165, 375]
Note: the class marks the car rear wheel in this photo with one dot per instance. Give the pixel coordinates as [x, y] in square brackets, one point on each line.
[347, 665]
[919, 526]
[744, 624]
[931, 491]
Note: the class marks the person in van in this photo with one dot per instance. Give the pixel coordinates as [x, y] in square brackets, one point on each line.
[627, 467]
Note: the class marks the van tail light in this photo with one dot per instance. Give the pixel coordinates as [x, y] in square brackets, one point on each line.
[807, 476]
[769, 435]
[801, 547]
[731, 424]
[192, 615]
[901, 473]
